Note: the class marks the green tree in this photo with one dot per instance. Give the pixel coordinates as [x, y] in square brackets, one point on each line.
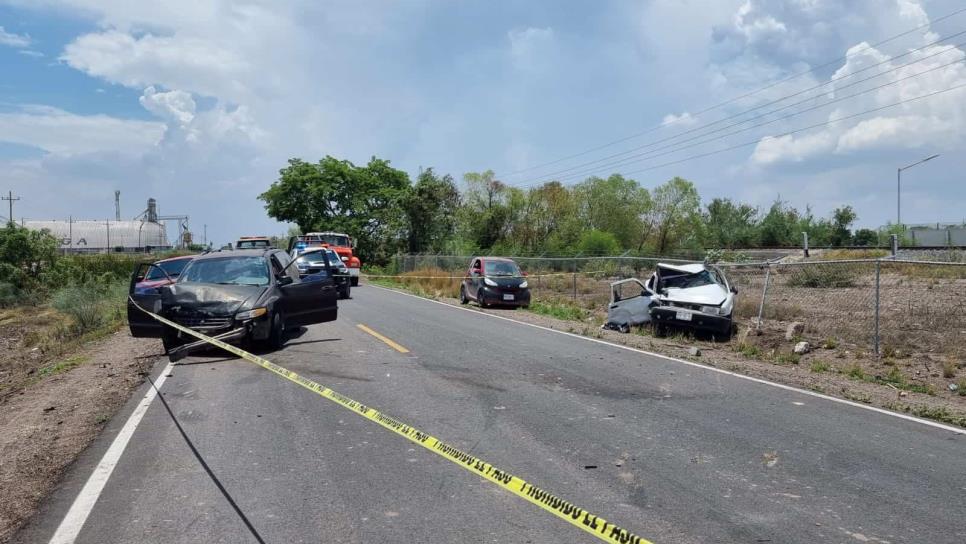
[674, 219]
[485, 215]
[430, 209]
[779, 227]
[333, 194]
[842, 219]
[24, 255]
[598, 242]
[615, 205]
[731, 225]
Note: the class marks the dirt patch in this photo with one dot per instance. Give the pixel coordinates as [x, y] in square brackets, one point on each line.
[52, 408]
[911, 382]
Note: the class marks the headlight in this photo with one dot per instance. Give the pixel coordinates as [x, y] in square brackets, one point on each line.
[713, 310]
[251, 314]
[524, 284]
[345, 259]
[490, 282]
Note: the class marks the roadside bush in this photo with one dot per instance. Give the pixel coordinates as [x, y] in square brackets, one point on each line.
[821, 276]
[93, 304]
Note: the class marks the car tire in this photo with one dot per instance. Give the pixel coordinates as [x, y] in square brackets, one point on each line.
[276, 336]
[345, 291]
[354, 281]
[480, 299]
[463, 298]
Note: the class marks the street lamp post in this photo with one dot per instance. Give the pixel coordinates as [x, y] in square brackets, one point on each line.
[899, 186]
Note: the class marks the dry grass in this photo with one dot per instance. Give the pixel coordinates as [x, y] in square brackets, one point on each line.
[432, 281]
[851, 254]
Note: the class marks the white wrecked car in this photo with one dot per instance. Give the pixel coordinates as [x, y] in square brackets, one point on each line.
[694, 296]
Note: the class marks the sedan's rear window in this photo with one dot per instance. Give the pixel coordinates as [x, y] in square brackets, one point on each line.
[227, 271]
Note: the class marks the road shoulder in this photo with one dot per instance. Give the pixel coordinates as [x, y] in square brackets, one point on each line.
[48, 424]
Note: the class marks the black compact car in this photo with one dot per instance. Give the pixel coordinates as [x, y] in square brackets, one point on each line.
[314, 264]
[492, 281]
[234, 296]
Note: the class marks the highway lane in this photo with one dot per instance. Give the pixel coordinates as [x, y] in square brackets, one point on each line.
[670, 451]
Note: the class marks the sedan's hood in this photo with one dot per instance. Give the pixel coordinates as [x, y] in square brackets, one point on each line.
[507, 281]
[211, 299]
[711, 295]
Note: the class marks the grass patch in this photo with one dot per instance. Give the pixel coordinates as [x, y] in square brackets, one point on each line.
[852, 254]
[819, 367]
[949, 369]
[750, 351]
[821, 276]
[559, 310]
[63, 366]
[830, 343]
[787, 358]
[855, 372]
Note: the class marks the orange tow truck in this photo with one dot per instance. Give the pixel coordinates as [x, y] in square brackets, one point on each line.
[339, 242]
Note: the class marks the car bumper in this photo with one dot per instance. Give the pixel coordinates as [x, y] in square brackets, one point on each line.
[496, 295]
[354, 272]
[669, 315]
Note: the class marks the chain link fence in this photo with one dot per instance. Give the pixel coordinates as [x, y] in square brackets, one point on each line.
[879, 305]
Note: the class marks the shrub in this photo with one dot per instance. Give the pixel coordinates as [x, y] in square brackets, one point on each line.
[820, 366]
[821, 276]
[855, 372]
[559, 310]
[597, 242]
[91, 305]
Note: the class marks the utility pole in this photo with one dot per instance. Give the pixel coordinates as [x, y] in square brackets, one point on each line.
[206, 235]
[899, 186]
[11, 198]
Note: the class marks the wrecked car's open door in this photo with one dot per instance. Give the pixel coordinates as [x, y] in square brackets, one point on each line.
[309, 302]
[630, 304]
[141, 324]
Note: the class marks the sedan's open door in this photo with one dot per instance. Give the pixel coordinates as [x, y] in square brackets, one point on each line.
[141, 324]
[309, 302]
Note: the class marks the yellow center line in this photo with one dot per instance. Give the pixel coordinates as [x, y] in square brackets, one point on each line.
[388, 341]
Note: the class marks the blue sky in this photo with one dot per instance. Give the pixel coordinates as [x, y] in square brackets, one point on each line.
[198, 104]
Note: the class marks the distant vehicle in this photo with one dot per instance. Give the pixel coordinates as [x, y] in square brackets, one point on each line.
[164, 272]
[315, 260]
[253, 242]
[495, 281]
[337, 241]
[693, 296]
[235, 296]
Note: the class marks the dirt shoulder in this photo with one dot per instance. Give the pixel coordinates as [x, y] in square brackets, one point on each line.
[47, 420]
[910, 383]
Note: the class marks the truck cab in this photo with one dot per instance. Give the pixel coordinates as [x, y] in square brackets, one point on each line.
[339, 242]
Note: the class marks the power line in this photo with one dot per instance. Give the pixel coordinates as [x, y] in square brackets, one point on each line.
[796, 131]
[675, 147]
[740, 97]
[708, 125]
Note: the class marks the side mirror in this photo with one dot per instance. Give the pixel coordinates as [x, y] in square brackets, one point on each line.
[284, 280]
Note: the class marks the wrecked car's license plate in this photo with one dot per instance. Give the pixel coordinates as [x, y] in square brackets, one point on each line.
[507, 297]
[682, 316]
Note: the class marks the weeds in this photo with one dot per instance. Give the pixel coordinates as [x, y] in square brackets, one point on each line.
[786, 358]
[824, 276]
[830, 343]
[949, 369]
[750, 351]
[855, 372]
[819, 367]
[559, 310]
[63, 366]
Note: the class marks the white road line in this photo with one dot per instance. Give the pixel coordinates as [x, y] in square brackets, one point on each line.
[72, 523]
[935, 424]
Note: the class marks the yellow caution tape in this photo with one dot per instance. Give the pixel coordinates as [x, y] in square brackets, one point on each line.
[464, 276]
[565, 510]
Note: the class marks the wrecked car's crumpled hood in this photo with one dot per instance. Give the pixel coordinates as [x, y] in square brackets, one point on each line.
[711, 295]
[211, 299]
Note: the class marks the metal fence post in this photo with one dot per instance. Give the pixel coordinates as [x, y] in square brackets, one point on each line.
[764, 293]
[878, 264]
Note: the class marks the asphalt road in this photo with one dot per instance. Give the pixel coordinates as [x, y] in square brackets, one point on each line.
[672, 452]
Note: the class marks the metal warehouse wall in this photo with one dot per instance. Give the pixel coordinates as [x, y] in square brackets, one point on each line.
[104, 235]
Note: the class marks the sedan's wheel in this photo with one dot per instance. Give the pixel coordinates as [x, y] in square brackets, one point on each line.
[354, 281]
[344, 292]
[276, 338]
[480, 299]
[463, 297]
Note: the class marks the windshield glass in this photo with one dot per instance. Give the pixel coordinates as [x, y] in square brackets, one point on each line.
[227, 271]
[172, 268]
[501, 268]
[311, 257]
[685, 281]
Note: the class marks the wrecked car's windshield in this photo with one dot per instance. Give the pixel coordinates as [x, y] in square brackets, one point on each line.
[227, 271]
[501, 268]
[686, 281]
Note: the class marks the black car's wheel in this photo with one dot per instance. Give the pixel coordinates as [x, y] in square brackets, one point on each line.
[480, 299]
[276, 338]
[344, 292]
[463, 298]
[354, 281]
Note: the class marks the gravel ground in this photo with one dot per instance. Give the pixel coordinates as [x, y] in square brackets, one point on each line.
[45, 425]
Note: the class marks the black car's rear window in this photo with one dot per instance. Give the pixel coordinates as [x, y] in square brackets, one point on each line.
[227, 271]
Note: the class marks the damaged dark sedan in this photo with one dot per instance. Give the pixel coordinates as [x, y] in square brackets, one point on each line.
[234, 296]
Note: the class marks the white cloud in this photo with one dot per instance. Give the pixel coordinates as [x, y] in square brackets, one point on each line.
[30, 53]
[177, 106]
[63, 133]
[684, 119]
[14, 40]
